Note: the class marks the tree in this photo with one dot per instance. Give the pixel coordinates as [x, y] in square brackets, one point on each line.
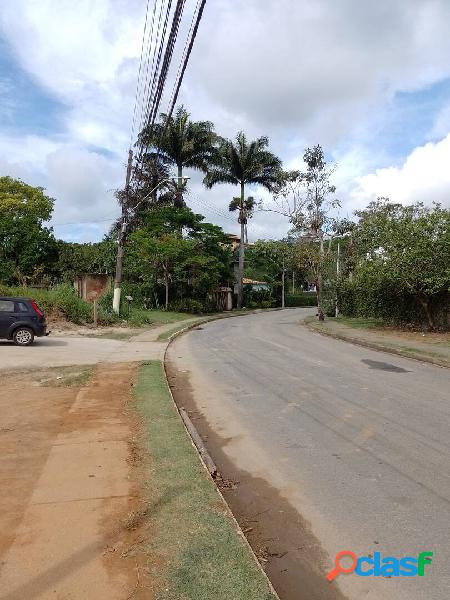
[76, 258]
[27, 249]
[278, 256]
[307, 199]
[241, 163]
[410, 245]
[178, 141]
[175, 248]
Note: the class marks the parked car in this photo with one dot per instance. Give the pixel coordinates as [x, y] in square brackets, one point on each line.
[21, 320]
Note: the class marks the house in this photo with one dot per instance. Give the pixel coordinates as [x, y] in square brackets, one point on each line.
[256, 286]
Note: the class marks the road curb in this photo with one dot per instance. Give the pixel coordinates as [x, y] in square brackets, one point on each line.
[375, 346]
[204, 456]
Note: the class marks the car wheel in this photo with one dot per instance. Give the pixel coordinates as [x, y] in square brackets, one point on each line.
[23, 336]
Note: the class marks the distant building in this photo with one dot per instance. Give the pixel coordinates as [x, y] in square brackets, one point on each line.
[234, 240]
[256, 286]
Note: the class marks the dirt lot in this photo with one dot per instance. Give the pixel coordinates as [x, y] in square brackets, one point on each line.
[69, 489]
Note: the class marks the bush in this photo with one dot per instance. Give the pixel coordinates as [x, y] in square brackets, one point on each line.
[138, 317]
[257, 298]
[75, 309]
[371, 294]
[301, 299]
[189, 305]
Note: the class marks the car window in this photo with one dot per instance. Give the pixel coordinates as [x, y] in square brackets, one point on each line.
[22, 307]
[6, 306]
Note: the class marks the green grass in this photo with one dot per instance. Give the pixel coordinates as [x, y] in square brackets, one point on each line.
[139, 317]
[194, 548]
[359, 322]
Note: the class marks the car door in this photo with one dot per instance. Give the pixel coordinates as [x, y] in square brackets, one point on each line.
[6, 316]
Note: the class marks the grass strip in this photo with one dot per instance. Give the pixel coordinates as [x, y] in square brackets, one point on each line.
[195, 549]
[344, 333]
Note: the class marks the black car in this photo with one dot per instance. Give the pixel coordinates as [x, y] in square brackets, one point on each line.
[21, 320]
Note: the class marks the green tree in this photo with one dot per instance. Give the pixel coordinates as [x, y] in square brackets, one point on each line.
[28, 249]
[178, 141]
[409, 245]
[307, 199]
[175, 248]
[276, 257]
[76, 258]
[240, 162]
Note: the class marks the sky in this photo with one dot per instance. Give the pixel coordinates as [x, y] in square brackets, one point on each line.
[369, 81]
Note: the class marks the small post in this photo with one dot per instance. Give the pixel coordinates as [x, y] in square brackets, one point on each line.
[95, 313]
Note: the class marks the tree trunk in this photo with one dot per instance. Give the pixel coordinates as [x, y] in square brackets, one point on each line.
[319, 283]
[293, 282]
[179, 196]
[282, 287]
[241, 251]
[424, 301]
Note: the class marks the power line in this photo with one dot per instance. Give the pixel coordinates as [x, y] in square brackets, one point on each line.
[187, 56]
[110, 219]
[139, 75]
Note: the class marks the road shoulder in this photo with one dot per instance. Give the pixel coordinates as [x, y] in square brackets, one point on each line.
[389, 341]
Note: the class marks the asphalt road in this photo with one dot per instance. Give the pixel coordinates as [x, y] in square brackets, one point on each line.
[357, 441]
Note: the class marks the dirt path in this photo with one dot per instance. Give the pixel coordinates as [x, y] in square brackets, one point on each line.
[68, 486]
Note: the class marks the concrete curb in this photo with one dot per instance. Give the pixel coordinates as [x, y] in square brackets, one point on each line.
[375, 346]
[202, 456]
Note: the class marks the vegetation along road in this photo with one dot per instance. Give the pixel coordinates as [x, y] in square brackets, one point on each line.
[323, 446]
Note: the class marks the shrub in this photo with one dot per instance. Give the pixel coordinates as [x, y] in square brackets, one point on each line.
[138, 317]
[372, 294]
[189, 305]
[74, 308]
[257, 298]
[301, 299]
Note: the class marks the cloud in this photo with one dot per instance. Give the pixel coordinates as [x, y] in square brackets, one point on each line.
[302, 72]
[423, 177]
[316, 68]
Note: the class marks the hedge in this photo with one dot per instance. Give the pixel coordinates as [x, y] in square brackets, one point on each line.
[379, 298]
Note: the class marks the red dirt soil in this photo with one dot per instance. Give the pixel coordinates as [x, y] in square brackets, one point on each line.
[69, 488]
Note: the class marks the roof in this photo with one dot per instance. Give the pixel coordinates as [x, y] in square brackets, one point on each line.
[246, 280]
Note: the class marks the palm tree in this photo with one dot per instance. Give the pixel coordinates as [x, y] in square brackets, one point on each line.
[181, 142]
[240, 162]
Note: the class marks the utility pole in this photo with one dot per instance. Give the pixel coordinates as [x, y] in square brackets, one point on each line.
[242, 221]
[122, 236]
[338, 272]
[282, 286]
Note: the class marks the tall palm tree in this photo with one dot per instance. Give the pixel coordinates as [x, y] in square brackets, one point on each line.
[240, 162]
[181, 142]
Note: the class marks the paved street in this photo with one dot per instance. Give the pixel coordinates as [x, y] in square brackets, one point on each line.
[356, 440]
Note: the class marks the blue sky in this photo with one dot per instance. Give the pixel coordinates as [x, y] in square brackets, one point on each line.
[379, 104]
[26, 106]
